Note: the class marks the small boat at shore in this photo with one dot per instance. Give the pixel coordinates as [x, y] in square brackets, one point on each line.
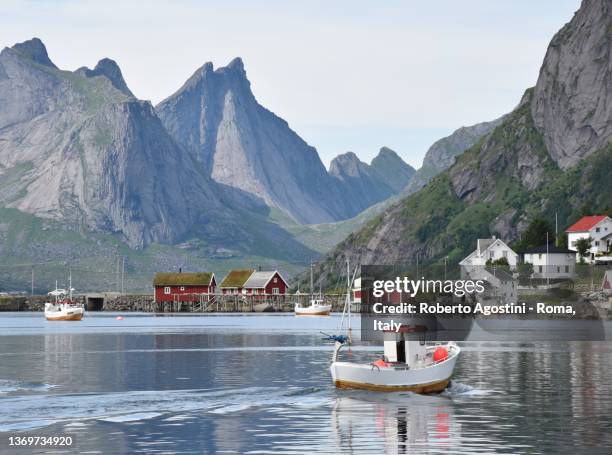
[317, 306]
[63, 308]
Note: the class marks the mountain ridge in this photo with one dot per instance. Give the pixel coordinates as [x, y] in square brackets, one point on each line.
[509, 176]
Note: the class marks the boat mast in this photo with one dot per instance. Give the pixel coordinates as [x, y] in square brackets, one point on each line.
[70, 284]
[311, 283]
[348, 298]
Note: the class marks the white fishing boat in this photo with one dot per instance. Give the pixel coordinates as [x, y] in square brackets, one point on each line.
[408, 363]
[63, 308]
[317, 305]
[316, 308]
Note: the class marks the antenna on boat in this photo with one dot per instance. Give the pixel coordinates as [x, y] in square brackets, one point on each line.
[347, 302]
[311, 282]
[348, 299]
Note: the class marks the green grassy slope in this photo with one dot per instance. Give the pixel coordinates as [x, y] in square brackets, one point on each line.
[53, 250]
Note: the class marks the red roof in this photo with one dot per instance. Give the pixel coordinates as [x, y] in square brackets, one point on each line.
[585, 223]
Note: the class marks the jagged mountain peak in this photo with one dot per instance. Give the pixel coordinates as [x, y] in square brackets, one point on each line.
[347, 164]
[206, 68]
[386, 151]
[236, 64]
[35, 50]
[110, 69]
[390, 168]
[234, 74]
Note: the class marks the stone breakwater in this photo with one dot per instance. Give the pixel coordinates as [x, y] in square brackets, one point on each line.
[114, 302]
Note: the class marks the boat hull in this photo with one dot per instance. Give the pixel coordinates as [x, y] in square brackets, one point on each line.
[433, 387]
[305, 312]
[71, 314]
[429, 379]
[313, 310]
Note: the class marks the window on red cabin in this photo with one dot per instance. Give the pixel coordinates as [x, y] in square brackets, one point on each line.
[275, 291]
[275, 279]
[167, 290]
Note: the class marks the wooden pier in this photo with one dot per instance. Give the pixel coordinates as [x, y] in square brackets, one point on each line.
[219, 303]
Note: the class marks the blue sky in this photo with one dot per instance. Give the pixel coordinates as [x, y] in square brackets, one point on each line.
[346, 75]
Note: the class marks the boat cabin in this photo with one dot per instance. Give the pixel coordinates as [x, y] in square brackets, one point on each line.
[406, 346]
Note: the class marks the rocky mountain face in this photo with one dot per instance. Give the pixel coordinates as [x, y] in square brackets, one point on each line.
[545, 157]
[79, 148]
[110, 69]
[241, 144]
[572, 105]
[387, 175]
[443, 153]
[389, 168]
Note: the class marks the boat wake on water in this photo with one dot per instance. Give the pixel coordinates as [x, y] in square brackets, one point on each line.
[8, 387]
[131, 406]
[455, 389]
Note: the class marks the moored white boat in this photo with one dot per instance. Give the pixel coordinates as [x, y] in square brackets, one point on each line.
[316, 308]
[63, 308]
[63, 311]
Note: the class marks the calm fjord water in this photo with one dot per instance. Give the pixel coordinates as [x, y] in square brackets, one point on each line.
[260, 384]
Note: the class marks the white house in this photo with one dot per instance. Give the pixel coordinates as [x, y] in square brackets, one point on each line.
[551, 261]
[492, 249]
[598, 228]
[500, 286]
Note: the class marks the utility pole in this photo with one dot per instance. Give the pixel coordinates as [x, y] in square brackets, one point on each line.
[546, 262]
[445, 259]
[556, 229]
[122, 274]
[117, 274]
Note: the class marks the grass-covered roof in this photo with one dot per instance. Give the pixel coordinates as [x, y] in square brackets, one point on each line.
[236, 278]
[182, 279]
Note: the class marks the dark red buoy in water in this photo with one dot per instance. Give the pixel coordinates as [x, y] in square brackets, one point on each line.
[440, 354]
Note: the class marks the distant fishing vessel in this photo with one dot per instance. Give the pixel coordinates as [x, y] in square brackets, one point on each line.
[317, 306]
[408, 363]
[63, 308]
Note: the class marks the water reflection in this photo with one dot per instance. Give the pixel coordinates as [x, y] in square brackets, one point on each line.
[269, 391]
[394, 423]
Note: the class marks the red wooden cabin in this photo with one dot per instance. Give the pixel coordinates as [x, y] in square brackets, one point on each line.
[183, 287]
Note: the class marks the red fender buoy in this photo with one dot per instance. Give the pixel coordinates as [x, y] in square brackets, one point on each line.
[440, 354]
